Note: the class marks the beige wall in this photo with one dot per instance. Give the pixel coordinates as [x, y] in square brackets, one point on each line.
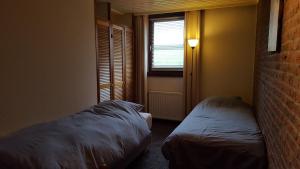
[121, 19]
[228, 48]
[47, 60]
[166, 84]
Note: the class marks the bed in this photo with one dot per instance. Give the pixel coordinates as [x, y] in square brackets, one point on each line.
[220, 133]
[106, 136]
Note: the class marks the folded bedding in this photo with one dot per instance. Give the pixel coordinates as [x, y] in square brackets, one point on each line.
[108, 135]
[220, 133]
[148, 118]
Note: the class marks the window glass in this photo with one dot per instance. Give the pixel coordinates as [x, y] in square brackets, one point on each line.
[168, 44]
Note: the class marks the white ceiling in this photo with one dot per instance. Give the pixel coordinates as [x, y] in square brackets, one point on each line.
[160, 6]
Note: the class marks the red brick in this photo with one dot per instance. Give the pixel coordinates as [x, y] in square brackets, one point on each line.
[277, 87]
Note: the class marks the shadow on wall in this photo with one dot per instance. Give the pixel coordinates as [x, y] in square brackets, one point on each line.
[47, 63]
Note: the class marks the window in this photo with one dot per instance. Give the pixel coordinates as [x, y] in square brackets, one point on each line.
[166, 46]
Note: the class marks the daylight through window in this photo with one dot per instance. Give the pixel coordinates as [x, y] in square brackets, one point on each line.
[167, 44]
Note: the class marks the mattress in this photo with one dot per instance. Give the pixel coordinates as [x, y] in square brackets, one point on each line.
[218, 133]
[109, 135]
[148, 118]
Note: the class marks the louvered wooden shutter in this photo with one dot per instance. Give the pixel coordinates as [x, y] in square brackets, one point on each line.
[115, 62]
[103, 61]
[118, 62]
[130, 66]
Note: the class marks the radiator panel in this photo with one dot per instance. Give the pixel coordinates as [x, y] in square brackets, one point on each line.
[166, 105]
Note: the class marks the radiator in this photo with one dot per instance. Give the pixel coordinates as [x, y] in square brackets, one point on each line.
[166, 105]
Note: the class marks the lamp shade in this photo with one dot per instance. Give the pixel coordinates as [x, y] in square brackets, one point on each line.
[193, 42]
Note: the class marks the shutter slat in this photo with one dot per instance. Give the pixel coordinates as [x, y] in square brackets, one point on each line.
[103, 62]
[130, 66]
[118, 63]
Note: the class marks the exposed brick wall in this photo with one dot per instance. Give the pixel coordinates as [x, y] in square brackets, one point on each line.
[277, 87]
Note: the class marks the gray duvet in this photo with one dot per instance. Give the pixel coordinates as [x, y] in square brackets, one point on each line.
[220, 133]
[108, 135]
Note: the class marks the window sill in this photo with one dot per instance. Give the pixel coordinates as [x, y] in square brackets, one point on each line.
[165, 73]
